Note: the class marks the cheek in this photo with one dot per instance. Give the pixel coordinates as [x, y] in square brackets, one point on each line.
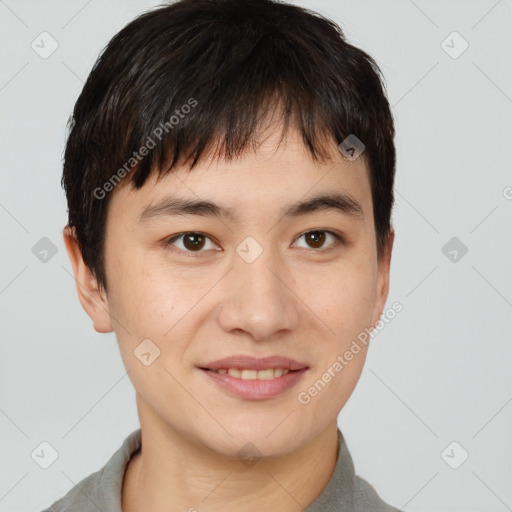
[151, 339]
[345, 303]
[145, 307]
[342, 296]
[145, 297]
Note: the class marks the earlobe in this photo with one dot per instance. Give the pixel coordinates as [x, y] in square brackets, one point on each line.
[93, 301]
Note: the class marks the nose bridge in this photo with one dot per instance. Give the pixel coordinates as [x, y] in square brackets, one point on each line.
[258, 298]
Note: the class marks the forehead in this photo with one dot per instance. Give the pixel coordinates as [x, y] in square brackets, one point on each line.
[277, 175]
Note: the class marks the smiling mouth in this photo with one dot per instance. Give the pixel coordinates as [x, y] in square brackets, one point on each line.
[246, 374]
[249, 383]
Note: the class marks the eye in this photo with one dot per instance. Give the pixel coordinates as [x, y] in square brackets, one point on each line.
[194, 241]
[191, 241]
[317, 237]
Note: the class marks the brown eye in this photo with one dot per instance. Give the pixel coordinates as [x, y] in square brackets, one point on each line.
[191, 242]
[316, 239]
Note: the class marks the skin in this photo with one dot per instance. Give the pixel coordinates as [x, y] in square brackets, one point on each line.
[294, 300]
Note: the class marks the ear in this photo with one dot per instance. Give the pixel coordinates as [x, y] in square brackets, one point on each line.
[93, 301]
[383, 279]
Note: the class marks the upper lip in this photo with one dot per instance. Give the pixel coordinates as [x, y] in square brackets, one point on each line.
[254, 363]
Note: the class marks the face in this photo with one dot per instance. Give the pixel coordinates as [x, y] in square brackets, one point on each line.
[249, 276]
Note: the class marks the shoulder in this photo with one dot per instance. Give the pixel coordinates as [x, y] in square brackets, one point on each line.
[101, 490]
[81, 497]
[366, 498]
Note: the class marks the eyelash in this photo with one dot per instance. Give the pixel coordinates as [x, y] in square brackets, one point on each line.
[194, 254]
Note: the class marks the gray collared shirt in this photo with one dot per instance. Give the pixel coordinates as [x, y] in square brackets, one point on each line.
[101, 491]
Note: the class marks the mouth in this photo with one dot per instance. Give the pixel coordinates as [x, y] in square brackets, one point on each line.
[247, 374]
[253, 378]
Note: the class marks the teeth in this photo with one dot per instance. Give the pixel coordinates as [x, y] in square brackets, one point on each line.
[262, 374]
[267, 374]
[249, 374]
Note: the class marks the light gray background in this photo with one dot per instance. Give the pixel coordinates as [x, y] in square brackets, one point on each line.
[439, 372]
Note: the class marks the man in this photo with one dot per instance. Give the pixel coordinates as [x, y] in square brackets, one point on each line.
[229, 174]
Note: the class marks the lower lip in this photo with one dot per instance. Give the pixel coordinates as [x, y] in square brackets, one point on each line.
[254, 389]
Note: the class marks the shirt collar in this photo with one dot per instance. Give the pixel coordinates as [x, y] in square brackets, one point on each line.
[337, 496]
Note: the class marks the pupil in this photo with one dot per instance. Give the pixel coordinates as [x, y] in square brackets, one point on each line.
[317, 237]
[194, 245]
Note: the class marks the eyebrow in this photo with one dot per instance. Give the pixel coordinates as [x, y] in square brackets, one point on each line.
[174, 206]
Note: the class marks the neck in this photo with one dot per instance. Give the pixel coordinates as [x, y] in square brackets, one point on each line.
[171, 474]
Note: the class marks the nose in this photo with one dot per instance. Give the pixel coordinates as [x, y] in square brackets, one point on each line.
[259, 299]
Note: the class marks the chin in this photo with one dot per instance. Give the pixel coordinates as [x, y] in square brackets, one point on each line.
[269, 439]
